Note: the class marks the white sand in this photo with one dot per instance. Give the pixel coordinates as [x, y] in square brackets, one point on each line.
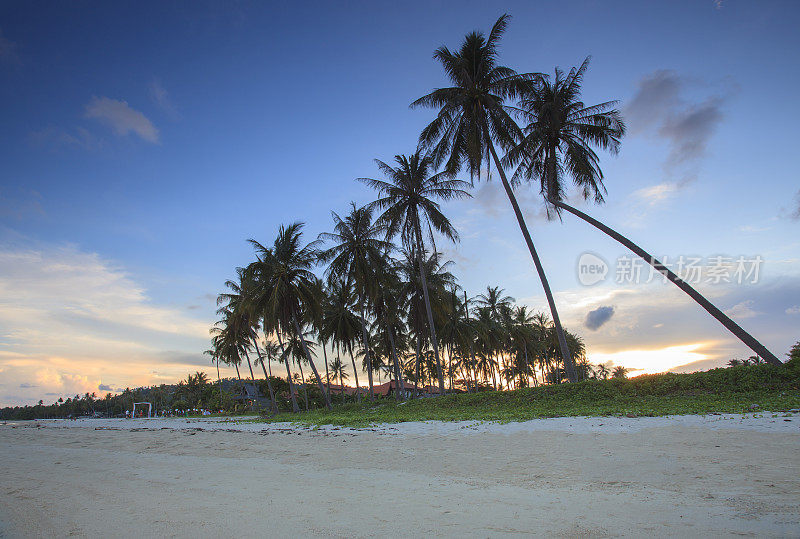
[678, 476]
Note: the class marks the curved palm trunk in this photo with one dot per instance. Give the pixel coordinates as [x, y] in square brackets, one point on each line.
[562, 340]
[311, 361]
[295, 407]
[250, 365]
[365, 339]
[434, 342]
[721, 317]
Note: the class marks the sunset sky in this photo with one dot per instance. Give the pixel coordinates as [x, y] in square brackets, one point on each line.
[142, 143]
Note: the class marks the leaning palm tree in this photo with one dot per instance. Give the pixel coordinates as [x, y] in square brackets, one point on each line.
[409, 202]
[558, 140]
[473, 117]
[356, 252]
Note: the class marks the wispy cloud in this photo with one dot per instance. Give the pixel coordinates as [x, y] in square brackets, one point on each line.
[58, 138]
[121, 118]
[795, 309]
[20, 204]
[660, 109]
[160, 97]
[654, 194]
[742, 310]
[8, 50]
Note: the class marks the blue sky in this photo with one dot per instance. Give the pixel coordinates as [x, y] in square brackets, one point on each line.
[142, 143]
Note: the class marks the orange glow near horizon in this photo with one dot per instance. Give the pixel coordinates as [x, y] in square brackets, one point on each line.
[653, 361]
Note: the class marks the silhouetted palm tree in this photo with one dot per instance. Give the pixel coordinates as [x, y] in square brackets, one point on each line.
[409, 202]
[558, 141]
[473, 117]
[337, 367]
[283, 273]
[340, 324]
[357, 250]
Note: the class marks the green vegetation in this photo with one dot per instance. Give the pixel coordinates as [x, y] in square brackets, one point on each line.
[739, 389]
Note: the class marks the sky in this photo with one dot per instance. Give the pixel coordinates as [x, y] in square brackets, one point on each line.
[142, 143]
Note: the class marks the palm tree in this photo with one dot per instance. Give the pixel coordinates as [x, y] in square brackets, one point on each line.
[357, 251]
[337, 367]
[285, 287]
[619, 372]
[388, 302]
[559, 139]
[408, 201]
[473, 117]
[339, 324]
[270, 353]
[602, 371]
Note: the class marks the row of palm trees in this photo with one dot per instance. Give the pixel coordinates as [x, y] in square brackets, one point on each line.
[374, 307]
[545, 133]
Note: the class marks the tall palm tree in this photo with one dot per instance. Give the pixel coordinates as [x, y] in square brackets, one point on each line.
[408, 200]
[340, 324]
[286, 286]
[357, 250]
[388, 302]
[473, 117]
[559, 139]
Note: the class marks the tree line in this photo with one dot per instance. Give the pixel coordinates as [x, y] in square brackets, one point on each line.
[388, 297]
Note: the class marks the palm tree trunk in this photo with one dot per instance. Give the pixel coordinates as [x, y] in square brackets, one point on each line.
[562, 340]
[418, 361]
[295, 407]
[428, 304]
[311, 361]
[398, 382]
[303, 381]
[721, 317]
[273, 404]
[355, 374]
[365, 339]
[471, 344]
[325, 357]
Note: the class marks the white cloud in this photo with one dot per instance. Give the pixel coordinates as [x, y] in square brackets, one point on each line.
[742, 310]
[70, 320]
[656, 193]
[121, 118]
[793, 310]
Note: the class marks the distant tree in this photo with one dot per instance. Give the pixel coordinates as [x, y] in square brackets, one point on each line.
[794, 353]
[602, 372]
[619, 372]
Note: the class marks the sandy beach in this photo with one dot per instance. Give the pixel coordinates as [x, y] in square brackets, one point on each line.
[714, 475]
